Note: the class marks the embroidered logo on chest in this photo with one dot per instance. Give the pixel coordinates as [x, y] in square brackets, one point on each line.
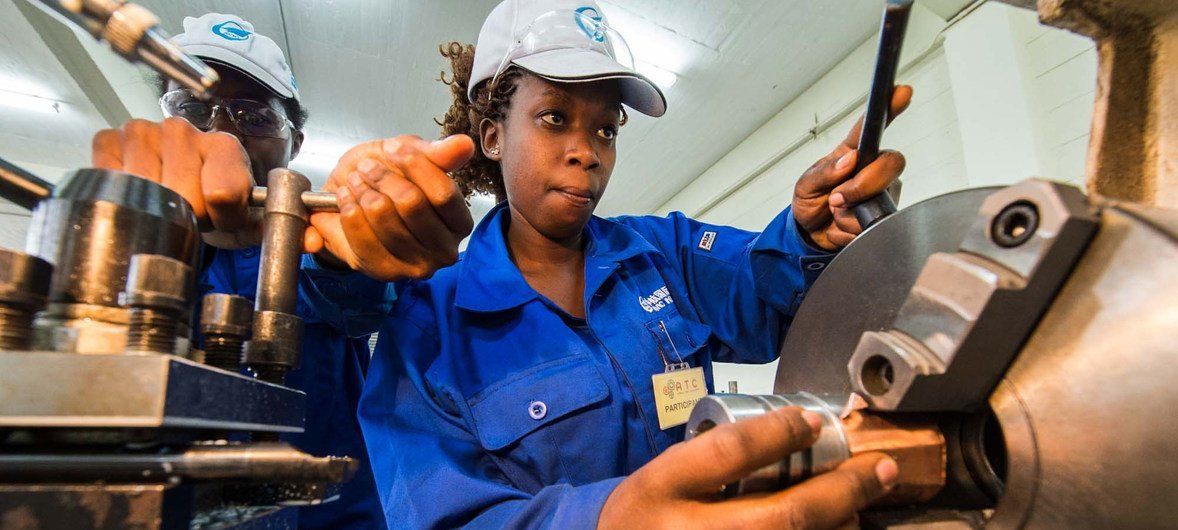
[657, 300]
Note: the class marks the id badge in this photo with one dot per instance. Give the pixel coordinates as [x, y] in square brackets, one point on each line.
[676, 392]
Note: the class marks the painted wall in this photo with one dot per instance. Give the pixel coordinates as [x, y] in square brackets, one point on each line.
[998, 98]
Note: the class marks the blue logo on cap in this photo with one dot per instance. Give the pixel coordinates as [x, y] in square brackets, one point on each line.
[590, 22]
[231, 30]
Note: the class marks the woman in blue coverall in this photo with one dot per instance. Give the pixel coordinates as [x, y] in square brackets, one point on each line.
[515, 389]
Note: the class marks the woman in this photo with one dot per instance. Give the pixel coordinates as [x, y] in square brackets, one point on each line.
[518, 387]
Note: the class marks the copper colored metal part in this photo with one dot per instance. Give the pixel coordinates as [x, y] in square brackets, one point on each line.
[917, 445]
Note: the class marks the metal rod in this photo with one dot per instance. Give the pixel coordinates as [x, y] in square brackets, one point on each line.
[315, 201]
[134, 33]
[21, 187]
[891, 39]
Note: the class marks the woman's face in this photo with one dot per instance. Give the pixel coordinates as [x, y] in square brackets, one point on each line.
[557, 146]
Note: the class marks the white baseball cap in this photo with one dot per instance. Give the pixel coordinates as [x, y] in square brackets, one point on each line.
[231, 41]
[561, 40]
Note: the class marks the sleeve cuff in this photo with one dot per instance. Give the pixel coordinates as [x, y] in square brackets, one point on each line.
[582, 511]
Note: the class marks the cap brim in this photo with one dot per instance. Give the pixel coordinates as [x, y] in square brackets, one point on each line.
[577, 65]
[241, 64]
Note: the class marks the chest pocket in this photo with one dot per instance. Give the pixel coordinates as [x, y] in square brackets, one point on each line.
[539, 424]
[676, 338]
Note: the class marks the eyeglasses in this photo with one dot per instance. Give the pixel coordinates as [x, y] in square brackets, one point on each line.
[565, 29]
[252, 118]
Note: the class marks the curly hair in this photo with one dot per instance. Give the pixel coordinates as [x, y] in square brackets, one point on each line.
[480, 174]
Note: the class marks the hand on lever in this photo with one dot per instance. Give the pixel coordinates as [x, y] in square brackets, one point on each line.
[401, 216]
[680, 488]
[823, 197]
[211, 170]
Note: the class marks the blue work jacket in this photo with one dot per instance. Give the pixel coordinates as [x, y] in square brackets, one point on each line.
[488, 406]
[340, 310]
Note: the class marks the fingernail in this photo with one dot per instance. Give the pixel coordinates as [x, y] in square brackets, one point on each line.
[845, 161]
[837, 200]
[354, 180]
[886, 471]
[813, 420]
[366, 165]
[343, 193]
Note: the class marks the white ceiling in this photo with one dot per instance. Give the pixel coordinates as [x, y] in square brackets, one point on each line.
[369, 68]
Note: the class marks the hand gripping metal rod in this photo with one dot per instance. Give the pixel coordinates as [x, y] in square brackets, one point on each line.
[891, 38]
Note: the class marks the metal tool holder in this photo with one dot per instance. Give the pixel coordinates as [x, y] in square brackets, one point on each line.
[109, 416]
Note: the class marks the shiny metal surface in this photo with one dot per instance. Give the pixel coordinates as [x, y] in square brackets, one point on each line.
[915, 442]
[315, 201]
[1085, 407]
[268, 463]
[865, 287]
[21, 187]
[24, 290]
[134, 32]
[89, 229]
[159, 291]
[827, 453]
[63, 390]
[225, 322]
[970, 311]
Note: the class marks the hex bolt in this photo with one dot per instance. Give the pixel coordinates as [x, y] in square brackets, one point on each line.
[24, 290]
[156, 294]
[1015, 224]
[225, 322]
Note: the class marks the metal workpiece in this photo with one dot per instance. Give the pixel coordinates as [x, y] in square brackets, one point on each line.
[314, 201]
[159, 290]
[276, 345]
[24, 290]
[915, 443]
[134, 33]
[131, 391]
[969, 312]
[89, 229]
[826, 454]
[225, 323]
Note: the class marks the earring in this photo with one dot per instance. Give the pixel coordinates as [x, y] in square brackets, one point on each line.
[494, 151]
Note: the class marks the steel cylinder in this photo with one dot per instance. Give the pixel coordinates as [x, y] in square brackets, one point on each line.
[158, 293]
[282, 242]
[89, 229]
[278, 332]
[225, 321]
[916, 444]
[24, 286]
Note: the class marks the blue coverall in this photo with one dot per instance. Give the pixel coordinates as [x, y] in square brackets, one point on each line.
[340, 311]
[487, 405]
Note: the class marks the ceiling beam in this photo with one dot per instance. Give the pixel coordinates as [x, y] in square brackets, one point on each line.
[76, 60]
